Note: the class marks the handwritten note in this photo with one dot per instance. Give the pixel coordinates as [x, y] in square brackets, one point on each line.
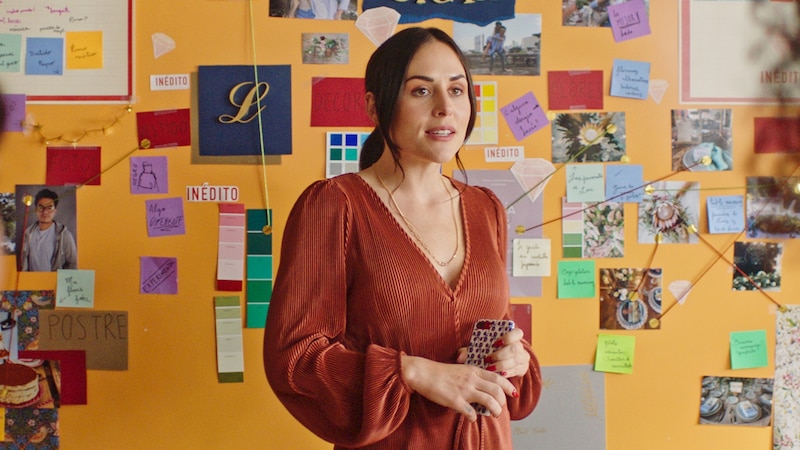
[524, 116]
[575, 89]
[10, 52]
[585, 183]
[531, 258]
[629, 20]
[102, 334]
[630, 79]
[748, 349]
[68, 165]
[165, 217]
[14, 107]
[624, 183]
[576, 279]
[158, 275]
[149, 175]
[84, 50]
[614, 353]
[168, 128]
[75, 288]
[44, 56]
[725, 214]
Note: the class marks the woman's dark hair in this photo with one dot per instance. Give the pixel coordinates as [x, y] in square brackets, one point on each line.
[385, 75]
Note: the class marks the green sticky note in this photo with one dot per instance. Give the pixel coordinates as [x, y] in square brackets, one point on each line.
[614, 353]
[576, 279]
[748, 349]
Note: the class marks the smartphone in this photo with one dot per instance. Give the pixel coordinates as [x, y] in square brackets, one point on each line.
[484, 333]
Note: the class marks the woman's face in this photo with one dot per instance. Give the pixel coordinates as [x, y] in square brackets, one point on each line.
[433, 109]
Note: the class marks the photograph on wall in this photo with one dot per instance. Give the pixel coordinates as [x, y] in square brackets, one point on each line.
[593, 230]
[19, 318]
[331, 48]
[46, 230]
[736, 401]
[588, 13]
[588, 137]
[758, 266]
[8, 222]
[630, 299]
[702, 140]
[667, 210]
[773, 207]
[786, 425]
[314, 9]
[504, 47]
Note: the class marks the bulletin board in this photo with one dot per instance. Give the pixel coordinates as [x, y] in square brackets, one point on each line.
[78, 50]
[171, 394]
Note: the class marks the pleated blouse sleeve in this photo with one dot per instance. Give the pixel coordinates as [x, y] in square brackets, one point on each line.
[351, 398]
[529, 386]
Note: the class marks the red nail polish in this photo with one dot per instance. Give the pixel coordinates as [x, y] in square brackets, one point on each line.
[491, 368]
[515, 394]
[489, 359]
[498, 343]
[504, 373]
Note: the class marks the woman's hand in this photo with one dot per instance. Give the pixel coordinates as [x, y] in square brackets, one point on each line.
[510, 359]
[457, 386]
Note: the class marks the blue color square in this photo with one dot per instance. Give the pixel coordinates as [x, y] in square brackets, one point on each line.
[351, 139]
[335, 139]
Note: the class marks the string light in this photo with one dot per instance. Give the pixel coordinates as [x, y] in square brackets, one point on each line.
[31, 126]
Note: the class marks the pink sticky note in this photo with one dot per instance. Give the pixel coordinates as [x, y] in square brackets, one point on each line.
[575, 89]
[629, 20]
[68, 165]
[524, 116]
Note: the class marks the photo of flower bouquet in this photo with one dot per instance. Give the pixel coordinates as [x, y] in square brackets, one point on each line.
[773, 207]
[758, 266]
[589, 137]
[668, 209]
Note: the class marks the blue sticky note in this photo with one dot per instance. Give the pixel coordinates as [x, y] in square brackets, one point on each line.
[629, 20]
[44, 56]
[630, 79]
[725, 214]
[524, 116]
[624, 183]
[585, 183]
[10, 52]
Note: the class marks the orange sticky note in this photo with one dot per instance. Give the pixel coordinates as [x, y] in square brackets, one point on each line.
[84, 50]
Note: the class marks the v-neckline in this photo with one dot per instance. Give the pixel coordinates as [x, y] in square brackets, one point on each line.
[410, 240]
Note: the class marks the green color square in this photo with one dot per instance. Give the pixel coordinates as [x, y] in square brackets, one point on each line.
[259, 267]
[257, 315]
[351, 154]
[573, 252]
[336, 154]
[257, 218]
[573, 239]
[259, 291]
[259, 244]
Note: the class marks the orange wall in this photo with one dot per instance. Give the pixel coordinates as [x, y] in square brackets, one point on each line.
[170, 398]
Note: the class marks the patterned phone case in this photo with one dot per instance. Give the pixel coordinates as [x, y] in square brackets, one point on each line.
[484, 333]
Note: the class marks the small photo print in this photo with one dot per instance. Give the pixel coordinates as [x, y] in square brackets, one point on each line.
[758, 266]
[736, 401]
[588, 137]
[773, 207]
[8, 232]
[507, 47]
[668, 212]
[702, 140]
[630, 299]
[326, 48]
[314, 9]
[588, 13]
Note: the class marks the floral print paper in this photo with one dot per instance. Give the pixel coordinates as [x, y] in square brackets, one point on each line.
[786, 395]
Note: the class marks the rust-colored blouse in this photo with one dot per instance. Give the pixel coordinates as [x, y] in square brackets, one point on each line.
[353, 293]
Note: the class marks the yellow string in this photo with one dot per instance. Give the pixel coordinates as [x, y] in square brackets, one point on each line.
[258, 109]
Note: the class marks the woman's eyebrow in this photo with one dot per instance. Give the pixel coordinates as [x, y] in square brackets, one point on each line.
[429, 79]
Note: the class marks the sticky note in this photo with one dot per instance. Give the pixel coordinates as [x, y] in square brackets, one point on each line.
[614, 353]
[165, 217]
[725, 214]
[158, 275]
[44, 56]
[748, 349]
[531, 257]
[629, 20]
[585, 183]
[14, 107]
[630, 79]
[624, 183]
[11, 56]
[576, 279]
[524, 116]
[75, 288]
[84, 50]
[149, 175]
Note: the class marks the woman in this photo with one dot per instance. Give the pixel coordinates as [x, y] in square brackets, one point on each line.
[383, 274]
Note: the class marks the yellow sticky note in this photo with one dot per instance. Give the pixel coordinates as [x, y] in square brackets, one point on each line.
[84, 50]
[614, 353]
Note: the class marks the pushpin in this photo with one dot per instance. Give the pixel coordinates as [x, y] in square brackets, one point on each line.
[797, 188]
[145, 143]
[692, 228]
[654, 323]
[625, 159]
[551, 116]
[611, 128]
[658, 237]
[28, 200]
[519, 229]
[783, 308]
[649, 189]
[705, 160]
[267, 229]
[128, 108]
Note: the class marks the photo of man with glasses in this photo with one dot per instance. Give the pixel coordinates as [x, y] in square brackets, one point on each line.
[47, 245]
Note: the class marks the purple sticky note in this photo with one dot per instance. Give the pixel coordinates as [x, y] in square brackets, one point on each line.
[158, 275]
[149, 175]
[524, 116]
[14, 106]
[629, 20]
[165, 217]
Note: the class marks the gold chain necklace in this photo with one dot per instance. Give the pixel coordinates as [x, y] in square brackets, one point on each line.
[413, 229]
